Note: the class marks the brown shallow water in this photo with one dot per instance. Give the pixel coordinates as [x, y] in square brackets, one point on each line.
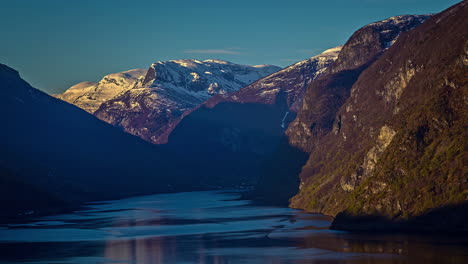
[210, 227]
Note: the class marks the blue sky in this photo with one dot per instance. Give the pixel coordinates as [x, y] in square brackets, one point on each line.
[57, 43]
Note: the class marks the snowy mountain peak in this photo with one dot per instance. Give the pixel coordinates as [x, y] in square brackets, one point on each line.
[127, 75]
[217, 61]
[75, 91]
[292, 81]
[157, 102]
[89, 95]
[401, 20]
[333, 52]
[121, 79]
[206, 77]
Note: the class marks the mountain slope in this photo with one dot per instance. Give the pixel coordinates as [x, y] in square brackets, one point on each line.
[156, 104]
[90, 96]
[53, 153]
[395, 148]
[327, 94]
[292, 81]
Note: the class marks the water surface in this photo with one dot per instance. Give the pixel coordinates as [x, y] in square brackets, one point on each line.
[209, 227]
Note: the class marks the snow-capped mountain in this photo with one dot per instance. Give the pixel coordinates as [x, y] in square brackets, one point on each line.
[156, 103]
[204, 78]
[292, 81]
[89, 95]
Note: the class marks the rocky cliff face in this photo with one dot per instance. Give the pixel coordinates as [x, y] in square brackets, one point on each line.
[90, 96]
[370, 41]
[327, 94]
[395, 143]
[157, 102]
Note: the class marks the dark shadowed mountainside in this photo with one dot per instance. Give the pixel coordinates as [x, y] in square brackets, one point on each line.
[54, 155]
[236, 136]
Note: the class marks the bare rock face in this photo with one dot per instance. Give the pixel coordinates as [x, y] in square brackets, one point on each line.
[394, 144]
[371, 40]
[328, 93]
[154, 106]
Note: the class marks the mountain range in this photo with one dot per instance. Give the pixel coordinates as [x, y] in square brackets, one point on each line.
[150, 103]
[372, 133]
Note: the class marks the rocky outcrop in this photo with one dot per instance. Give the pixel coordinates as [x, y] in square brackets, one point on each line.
[394, 146]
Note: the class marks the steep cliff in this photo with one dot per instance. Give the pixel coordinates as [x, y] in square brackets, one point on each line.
[327, 94]
[394, 146]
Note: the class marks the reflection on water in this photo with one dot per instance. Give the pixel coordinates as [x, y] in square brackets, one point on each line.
[209, 227]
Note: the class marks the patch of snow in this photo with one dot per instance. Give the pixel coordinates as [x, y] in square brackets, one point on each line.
[283, 124]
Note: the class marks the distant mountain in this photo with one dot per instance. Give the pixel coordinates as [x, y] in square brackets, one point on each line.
[292, 81]
[54, 155]
[90, 96]
[386, 128]
[150, 103]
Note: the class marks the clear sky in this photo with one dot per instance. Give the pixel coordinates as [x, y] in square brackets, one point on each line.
[57, 43]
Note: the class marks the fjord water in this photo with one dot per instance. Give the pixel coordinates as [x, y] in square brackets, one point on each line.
[209, 227]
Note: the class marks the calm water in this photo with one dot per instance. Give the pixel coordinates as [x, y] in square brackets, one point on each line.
[209, 227]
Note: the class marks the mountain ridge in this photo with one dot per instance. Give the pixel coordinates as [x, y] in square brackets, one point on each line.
[153, 105]
[394, 148]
